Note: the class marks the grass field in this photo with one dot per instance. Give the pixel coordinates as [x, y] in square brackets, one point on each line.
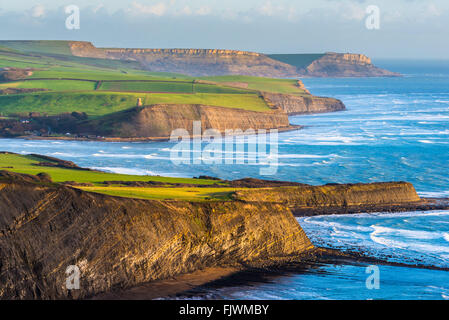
[54, 85]
[188, 194]
[96, 103]
[261, 84]
[100, 86]
[44, 46]
[169, 86]
[27, 164]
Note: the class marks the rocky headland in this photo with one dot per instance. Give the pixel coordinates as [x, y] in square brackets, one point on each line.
[119, 243]
[215, 62]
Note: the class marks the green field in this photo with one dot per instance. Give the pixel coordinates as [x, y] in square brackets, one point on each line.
[102, 87]
[27, 164]
[55, 85]
[171, 86]
[261, 84]
[188, 194]
[96, 103]
[44, 46]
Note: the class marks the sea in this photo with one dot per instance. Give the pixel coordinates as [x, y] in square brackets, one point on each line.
[394, 129]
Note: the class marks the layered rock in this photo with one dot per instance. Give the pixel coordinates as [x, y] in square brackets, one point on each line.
[119, 243]
[344, 65]
[158, 121]
[306, 104]
[336, 198]
[194, 62]
[213, 62]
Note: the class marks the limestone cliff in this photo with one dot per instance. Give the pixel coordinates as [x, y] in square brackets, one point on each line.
[307, 104]
[194, 62]
[344, 65]
[119, 243]
[335, 198]
[158, 121]
[213, 62]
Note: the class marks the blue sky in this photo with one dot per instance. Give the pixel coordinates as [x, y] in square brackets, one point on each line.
[408, 28]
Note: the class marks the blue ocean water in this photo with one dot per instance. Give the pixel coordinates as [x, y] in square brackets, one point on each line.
[394, 129]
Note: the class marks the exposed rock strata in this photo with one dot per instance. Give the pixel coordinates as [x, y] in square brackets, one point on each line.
[119, 243]
[344, 65]
[306, 104]
[195, 62]
[160, 120]
[213, 62]
[336, 198]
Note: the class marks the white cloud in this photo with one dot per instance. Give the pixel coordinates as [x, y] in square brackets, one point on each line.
[268, 9]
[353, 12]
[203, 11]
[158, 9]
[186, 11]
[432, 10]
[38, 11]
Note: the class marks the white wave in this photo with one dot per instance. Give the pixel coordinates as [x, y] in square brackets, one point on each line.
[130, 171]
[376, 237]
[412, 234]
[64, 154]
[434, 194]
[305, 156]
[446, 236]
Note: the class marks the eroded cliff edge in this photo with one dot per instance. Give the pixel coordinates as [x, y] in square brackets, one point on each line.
[345, 65]
[214, 62]
[121, 242]
[342, 198]
[306, 104]
[159, 121]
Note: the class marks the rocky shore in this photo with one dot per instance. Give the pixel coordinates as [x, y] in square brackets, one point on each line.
[123, 243]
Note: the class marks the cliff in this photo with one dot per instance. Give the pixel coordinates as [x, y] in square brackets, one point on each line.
[215, 62]
[344, 65]
[158, 121]
[336, 198]
[120, 242]
[194, 62]
[307, 104]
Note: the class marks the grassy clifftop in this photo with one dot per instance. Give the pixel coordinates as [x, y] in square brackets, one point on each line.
[296, 197]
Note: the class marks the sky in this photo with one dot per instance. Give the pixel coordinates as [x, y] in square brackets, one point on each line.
[412, 29]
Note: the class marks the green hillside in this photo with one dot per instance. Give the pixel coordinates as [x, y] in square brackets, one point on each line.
[100, 86]
[298, 60]
[94, 181]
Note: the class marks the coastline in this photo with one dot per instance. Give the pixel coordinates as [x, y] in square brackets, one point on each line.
[196, 284]
[426, 204]
[145, 139]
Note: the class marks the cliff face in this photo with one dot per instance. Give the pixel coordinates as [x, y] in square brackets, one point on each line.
[160, 120]
[336, 198]
[344, 65]
[194, 62]
[212, 62]
[295, 105]
[119, 243]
